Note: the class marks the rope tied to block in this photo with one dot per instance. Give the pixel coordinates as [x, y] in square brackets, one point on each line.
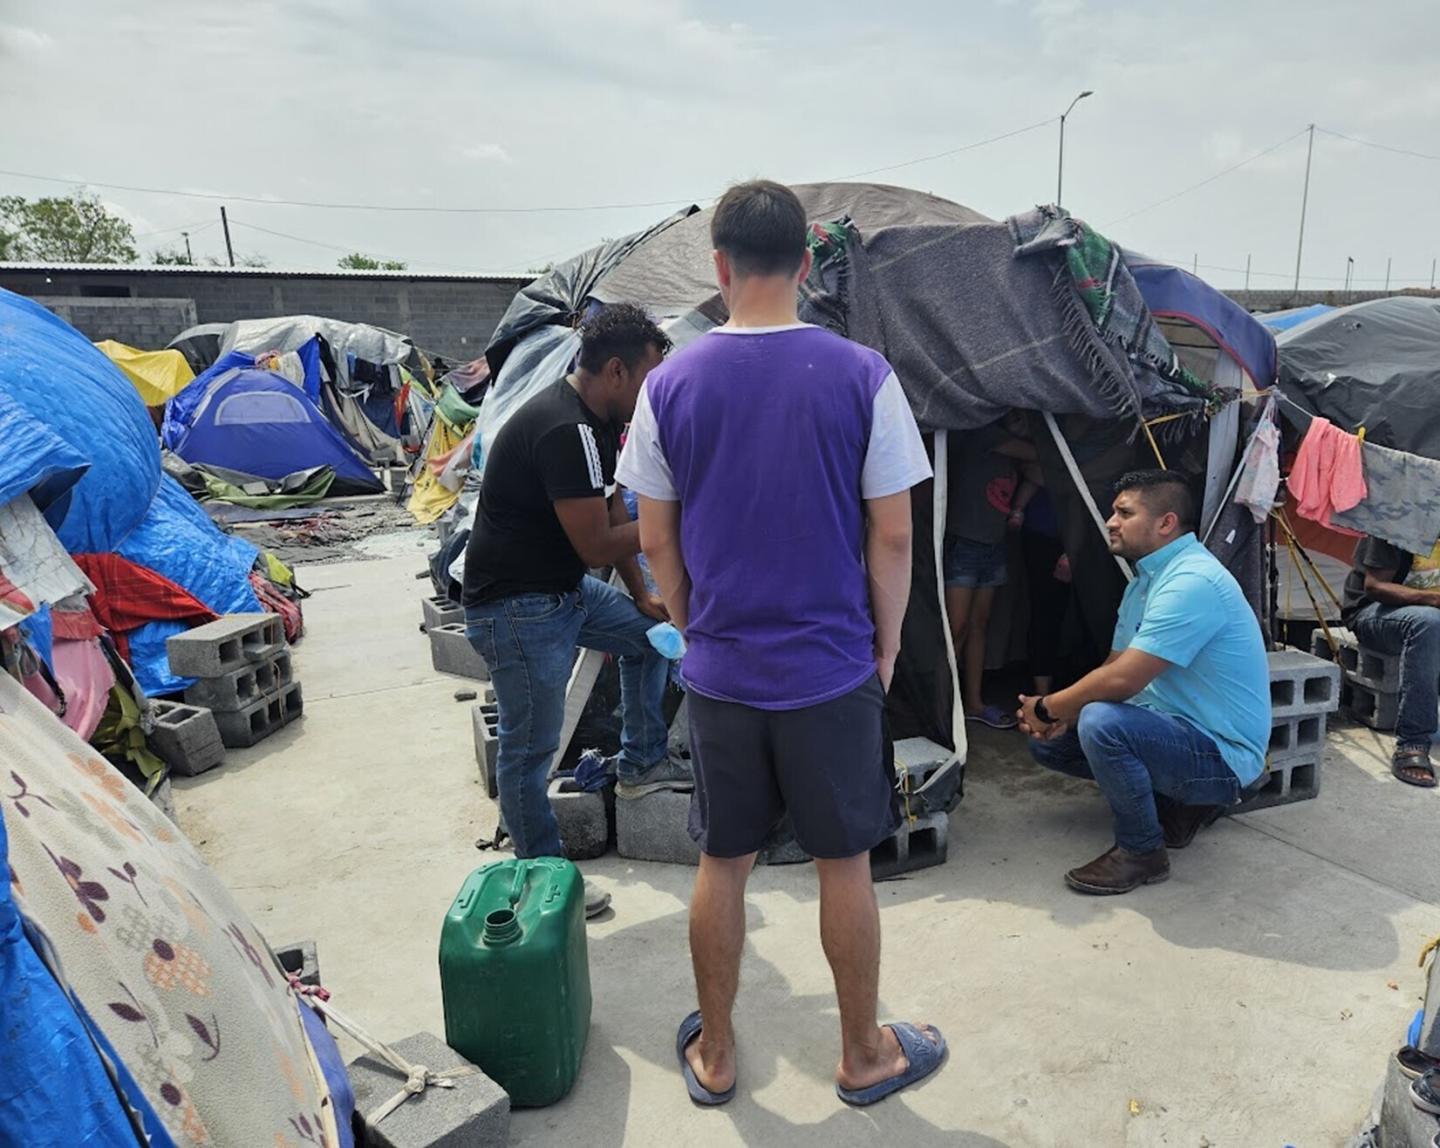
[417, 1077]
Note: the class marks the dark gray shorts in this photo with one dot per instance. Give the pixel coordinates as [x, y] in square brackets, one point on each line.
[830, 766]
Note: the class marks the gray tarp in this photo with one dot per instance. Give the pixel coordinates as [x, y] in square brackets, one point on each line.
[291, 332]
[1375, 365]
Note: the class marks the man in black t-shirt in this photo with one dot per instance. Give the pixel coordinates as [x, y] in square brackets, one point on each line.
[548, 511]
[1392, 602]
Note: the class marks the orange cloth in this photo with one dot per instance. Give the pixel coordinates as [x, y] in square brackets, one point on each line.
[1327, 474]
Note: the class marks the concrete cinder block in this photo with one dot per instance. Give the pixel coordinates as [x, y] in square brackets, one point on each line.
[254, 723]
[186, 737]
[485, 721]
[442, 611]
[586, 820]
[239, 687]
[1301, 683]
[917, 844]
[473, 1114]
[452, 653]
[1371, 707]
[1402, 1125]
[1297, 737]
[1287, 780]
[300, 959]
[654, 828]
[224, 644]
[292, 703]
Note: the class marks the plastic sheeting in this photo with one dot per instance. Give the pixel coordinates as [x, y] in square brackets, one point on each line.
[157, 375]
[540, 358]
[178, 540]
[53, 377]
[1375, 365]
[559, 295]
[260, 423]
[347, 341]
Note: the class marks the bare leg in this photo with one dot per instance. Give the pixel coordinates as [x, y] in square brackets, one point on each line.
[717, 938]
[975, 648]
[850, 935]
[958, 601]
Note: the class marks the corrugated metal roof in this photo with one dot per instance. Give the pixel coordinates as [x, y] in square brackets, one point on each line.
[259, 272]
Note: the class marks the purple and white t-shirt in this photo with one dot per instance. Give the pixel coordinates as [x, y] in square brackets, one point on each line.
[771, 439]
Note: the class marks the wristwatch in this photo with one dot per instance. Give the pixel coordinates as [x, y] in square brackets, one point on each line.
[1042, 713]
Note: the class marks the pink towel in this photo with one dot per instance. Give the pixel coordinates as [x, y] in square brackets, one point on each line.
[1327, 475]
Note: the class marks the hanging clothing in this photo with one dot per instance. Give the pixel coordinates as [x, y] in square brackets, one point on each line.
[1327, 475]
[1402, 501]
[1260, 471]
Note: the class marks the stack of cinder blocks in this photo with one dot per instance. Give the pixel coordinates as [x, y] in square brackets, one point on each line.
[1370, 690]
[441, 611]
[1304, 690]
[923, 838]
[244, 675]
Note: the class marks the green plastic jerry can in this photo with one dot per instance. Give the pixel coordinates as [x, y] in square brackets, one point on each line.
[515, 976]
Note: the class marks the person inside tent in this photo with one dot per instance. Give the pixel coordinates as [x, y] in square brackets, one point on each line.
[546, 513]
[980, 496]
[1177, 721]
[1392, 602]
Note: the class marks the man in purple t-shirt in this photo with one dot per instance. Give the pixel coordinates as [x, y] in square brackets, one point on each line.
[774, 462]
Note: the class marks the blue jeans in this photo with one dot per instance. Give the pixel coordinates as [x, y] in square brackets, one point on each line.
[1134, 754]
[1413, 632]
[529, 642]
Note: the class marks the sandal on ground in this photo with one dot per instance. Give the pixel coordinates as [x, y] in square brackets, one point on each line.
[1414, 1063]
[994, 717]
[1425, 1093]
[1411, 761]
[688, 1034]
[923, 1057]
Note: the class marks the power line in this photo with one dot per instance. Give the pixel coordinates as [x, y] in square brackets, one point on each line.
[944, 154]
[1204, 182]
[346, 250]
[1379, 146]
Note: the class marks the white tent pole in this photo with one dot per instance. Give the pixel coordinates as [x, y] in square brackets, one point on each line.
[1079, 480]
[940, 508]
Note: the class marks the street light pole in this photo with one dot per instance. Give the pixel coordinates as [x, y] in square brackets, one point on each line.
[1060, 176]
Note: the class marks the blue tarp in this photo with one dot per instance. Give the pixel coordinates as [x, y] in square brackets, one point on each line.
[178, 540]
[52, 377]
[1171, 292]
[260, 423]
[1284, 320]
[53, 1088]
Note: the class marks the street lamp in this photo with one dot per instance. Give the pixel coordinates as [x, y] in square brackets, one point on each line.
[1060, 178]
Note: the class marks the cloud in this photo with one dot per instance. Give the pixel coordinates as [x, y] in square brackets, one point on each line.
[484, 153]
[16, 40]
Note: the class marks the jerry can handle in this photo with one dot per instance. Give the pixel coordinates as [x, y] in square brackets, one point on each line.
[517, 886]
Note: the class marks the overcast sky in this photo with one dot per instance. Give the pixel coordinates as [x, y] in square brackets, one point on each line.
[577, 103]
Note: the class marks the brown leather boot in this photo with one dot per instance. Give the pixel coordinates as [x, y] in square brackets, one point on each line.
[1119, 871]
[1180, 823]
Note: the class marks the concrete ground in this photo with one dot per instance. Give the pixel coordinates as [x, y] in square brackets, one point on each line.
[1249, 1001]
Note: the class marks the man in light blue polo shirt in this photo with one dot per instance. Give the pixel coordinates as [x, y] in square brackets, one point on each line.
[1176, 722]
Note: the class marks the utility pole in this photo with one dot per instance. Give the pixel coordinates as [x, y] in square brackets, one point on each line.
[1195, 266]
[1304, 203]
[225, 223]
[1247, 272]
[1060, 176]
[1349, 270]
[1432, 274]
[1387, 274]
[190, 259]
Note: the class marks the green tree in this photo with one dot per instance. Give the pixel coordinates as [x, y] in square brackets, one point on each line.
[355, 261]
[170, 256]
[76, 228]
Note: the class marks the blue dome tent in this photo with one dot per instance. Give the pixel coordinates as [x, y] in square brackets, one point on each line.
[257, 422]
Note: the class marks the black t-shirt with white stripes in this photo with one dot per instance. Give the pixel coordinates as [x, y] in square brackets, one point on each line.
[553, 447]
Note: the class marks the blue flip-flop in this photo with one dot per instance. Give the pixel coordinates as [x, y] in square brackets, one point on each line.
[923, 1057]
[689, 1031]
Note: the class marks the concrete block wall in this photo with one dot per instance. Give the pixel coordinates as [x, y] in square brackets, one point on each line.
[451, 315]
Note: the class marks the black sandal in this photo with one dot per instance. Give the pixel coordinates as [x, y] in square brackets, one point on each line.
[1416, 758]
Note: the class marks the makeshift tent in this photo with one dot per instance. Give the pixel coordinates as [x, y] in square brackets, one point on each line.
[141, 1003]
[260, 423]
[978, 318]
[157, 375]
[79, 439]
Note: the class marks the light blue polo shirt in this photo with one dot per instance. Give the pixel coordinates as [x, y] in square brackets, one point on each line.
[1185, 607]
